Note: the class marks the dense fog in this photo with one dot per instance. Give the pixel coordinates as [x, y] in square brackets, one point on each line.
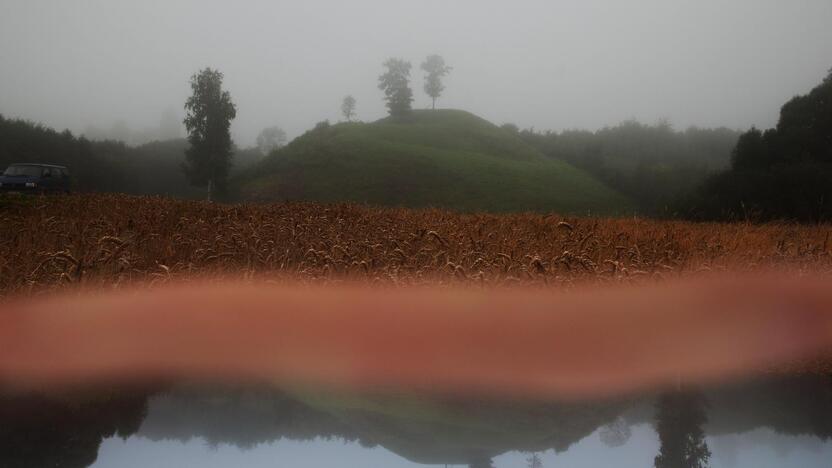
[112, 66]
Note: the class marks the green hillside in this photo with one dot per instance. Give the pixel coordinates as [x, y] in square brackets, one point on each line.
[446, 158]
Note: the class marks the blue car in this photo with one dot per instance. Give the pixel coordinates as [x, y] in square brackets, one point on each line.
[35, 178]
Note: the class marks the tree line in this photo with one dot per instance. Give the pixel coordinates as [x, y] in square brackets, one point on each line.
[654, 165]
[780, 173]
[107, 166]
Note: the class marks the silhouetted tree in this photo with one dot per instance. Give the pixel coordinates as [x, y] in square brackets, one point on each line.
[755, 150]
[39, 431]
[208, 120]
[436, 69]
[395, 84]
[782, 173]
[270, 139]
[680, 417]
[348, 108]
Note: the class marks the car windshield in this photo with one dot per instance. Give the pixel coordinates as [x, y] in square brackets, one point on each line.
[23, 171]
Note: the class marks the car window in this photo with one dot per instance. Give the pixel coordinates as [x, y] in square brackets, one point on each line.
[22, 171]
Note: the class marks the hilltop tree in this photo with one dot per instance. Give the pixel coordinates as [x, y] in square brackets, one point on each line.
[395, 84]
[208, 120]
[436, 69]
[270, 139]
[348, 108]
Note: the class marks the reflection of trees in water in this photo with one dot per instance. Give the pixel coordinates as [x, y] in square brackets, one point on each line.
[534, 461]
[457, 430]
[822, 423]
[37, 431]
[67, 431]
[680, 417]
[795, 406]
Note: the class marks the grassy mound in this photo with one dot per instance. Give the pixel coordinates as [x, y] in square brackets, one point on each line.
[447, 158]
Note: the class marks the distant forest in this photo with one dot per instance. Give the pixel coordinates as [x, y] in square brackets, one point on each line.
[654, 165]
[107, 166]
[783, 173]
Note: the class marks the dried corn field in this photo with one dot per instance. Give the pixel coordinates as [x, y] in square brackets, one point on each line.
[54, 242]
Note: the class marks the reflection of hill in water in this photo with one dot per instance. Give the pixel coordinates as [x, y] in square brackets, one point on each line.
[67, 431]
[457, 432]
[424, 431]
[243, 418]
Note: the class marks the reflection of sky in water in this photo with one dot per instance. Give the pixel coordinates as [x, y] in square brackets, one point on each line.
[761, 448]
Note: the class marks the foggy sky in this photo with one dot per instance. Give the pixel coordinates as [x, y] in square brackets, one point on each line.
[547, 64]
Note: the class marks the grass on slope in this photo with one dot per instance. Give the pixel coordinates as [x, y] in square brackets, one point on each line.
[449, 159]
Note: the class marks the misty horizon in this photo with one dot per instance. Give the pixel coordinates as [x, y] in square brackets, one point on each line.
[569, 65]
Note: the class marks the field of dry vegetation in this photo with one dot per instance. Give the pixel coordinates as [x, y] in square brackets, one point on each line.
[52, 242]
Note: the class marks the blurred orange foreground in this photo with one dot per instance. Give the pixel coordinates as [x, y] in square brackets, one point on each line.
[587, 343]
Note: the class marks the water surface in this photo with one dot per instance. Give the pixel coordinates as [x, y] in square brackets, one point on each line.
[783, 421]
